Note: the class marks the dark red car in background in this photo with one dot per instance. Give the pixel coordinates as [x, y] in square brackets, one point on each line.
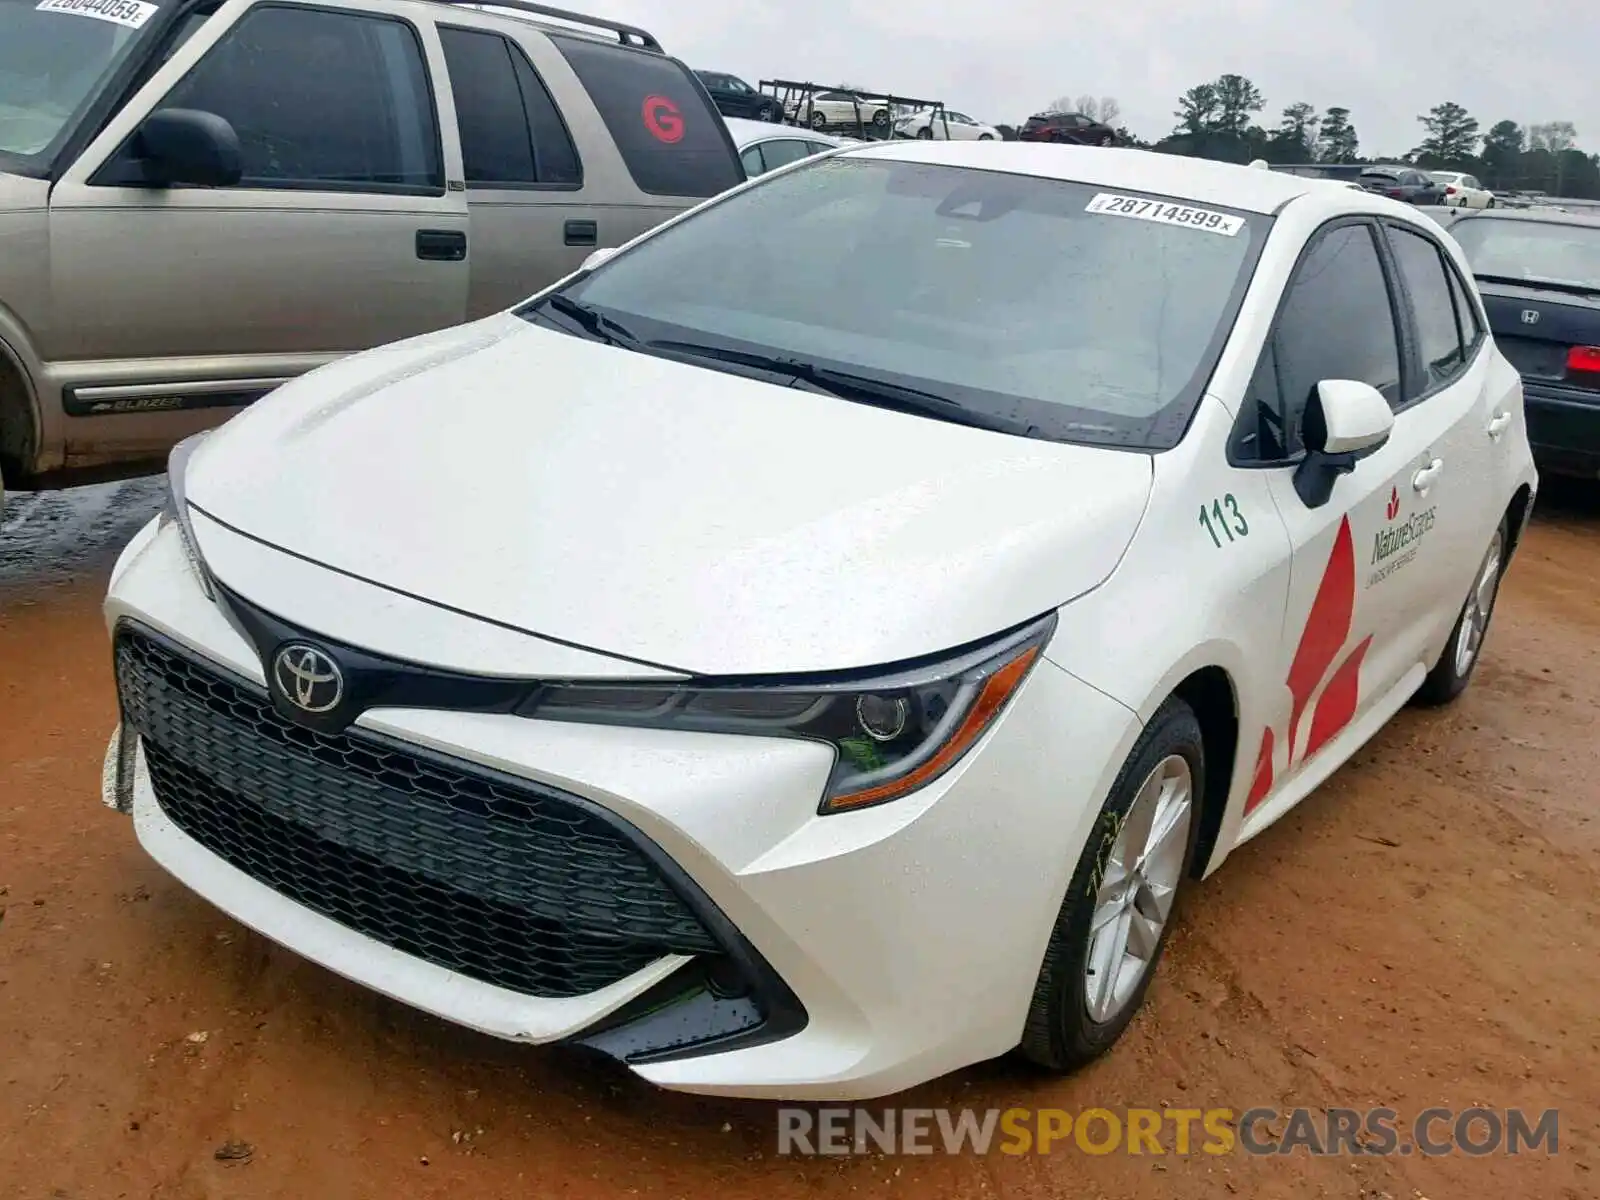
[1074, 128]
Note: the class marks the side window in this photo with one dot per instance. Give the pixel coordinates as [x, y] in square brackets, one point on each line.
[1466, 313]
[1336, 322]
[511, 133]
[782, 152]
[751, 159]
[1439, 341]
[322, 100]
[1472, 182]
[674, 143]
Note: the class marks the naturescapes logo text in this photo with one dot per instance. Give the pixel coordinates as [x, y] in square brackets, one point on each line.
[1162, 1131]
[1396, 543]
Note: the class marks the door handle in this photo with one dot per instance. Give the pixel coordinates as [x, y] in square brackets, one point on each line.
[1498, 425]
[1423, 479]
[441, 245]
[582, 233]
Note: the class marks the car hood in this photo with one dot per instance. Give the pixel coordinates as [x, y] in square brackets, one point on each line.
[677, 515]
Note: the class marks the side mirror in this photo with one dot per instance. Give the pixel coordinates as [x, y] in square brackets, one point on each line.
[1345, 421]
[597, 257]
[185, 145]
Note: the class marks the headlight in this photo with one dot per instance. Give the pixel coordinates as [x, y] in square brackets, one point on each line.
[177, 509]
[891, 734]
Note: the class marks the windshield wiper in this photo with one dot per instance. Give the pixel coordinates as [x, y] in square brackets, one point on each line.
[847, 385]
[593, 322]
[1554, 285]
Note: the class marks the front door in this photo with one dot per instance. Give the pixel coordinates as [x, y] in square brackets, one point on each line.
[341, 235]
[1345, 644]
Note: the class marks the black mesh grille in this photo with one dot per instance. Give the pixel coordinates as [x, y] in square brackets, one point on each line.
[493, 877]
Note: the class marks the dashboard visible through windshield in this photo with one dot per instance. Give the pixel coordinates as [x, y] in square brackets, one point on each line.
[1029, 303]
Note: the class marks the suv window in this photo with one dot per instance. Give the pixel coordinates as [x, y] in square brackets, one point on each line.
[280, 74]
[511, 132]
[1336, 322]
[674, 143]
[1438, 339]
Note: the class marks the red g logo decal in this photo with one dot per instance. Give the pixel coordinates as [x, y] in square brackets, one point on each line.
[663, 119]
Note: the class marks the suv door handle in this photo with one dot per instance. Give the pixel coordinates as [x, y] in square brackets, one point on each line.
[441, 245]
[582, 233]
[1423, 479]
[1498, 425]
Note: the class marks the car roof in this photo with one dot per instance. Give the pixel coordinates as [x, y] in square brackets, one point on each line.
[746, 132]
[1198, 179]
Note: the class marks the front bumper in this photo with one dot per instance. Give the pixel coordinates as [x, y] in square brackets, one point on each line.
[907, 936]
[1563, 428]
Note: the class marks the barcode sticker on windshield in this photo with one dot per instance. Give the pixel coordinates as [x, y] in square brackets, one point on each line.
[1162, 212]
[131, 14]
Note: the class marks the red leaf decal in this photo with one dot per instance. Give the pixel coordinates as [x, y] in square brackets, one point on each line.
[1326, 627]
[1338, 703]
[1262, 783]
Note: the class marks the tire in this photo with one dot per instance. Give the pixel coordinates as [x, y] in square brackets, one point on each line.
[818, 120]
[1453, 671]
[986, 137]
[925, 134]
[1064, 1030]
[1491, 203]
[770, 113]
[881, 118]
[1106, 140]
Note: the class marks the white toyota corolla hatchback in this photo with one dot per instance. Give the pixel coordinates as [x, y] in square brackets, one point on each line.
[812, 650]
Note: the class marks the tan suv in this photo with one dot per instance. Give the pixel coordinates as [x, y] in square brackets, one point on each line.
[201, 200]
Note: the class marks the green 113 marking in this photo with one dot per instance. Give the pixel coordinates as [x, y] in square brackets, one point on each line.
[1231, 522]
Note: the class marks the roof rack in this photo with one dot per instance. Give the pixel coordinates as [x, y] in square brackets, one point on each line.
[628, 35]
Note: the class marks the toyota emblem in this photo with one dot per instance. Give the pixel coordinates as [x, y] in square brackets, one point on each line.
[1530, 316]
[307, 678]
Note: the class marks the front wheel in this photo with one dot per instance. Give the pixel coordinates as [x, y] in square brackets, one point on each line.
[1117, 913]
[770, 113]
[925, 133]
[1453, 671]
[818, 120]
[986, 137]
[1105, 140]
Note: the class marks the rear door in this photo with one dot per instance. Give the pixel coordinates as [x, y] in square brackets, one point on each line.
[341, 235]
[536, 209]
[1446, 510]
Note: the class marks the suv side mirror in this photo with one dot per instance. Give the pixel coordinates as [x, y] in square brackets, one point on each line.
[1345, 421]
[185, 145]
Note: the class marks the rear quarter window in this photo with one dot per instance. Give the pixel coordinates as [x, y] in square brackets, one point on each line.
[670, 136]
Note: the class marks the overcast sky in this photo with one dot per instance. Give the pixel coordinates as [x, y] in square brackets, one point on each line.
[1385, 60]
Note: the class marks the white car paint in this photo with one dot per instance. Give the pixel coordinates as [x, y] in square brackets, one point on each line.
[836, 110]
[946, 125]
[765, 147]
[1462, 190]
[629, 517]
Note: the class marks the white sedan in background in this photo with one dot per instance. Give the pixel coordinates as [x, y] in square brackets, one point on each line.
[1462, 190]
[804, 663]
[765, 147]
[837, 110]
[946, 125]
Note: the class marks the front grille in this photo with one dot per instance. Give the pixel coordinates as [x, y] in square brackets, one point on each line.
[487, 875]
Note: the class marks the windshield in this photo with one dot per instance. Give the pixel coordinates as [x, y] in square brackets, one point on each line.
[53, 56]
[1532, 250]
[1085, 315]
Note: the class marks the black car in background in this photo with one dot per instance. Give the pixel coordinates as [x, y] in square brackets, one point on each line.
[736, 98]
[1539, 273]
[1072, 128]
[1402, 183]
